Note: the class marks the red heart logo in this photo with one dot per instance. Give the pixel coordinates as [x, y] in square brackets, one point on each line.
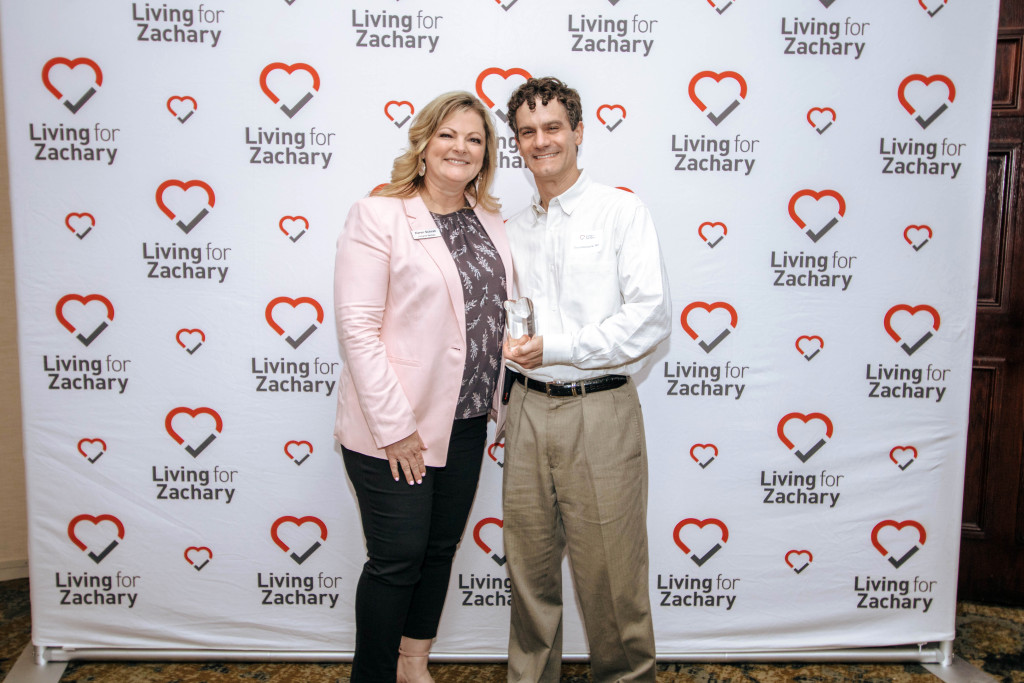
[917, 235]
[802, 557]
[500, 559]
[611, 108]
[707, 322]
[190, 340]
[298, 522]
[505, 75]
[712, 232]
[80, 223]
[898, 526]
[817, 437]
[89, 90]
[399, 104]
[826, 219]
[721, 5]
[491, 451]
[939, 4]
[92, 449]
[304, 301]
[809, 345]
[182, 107]
[196, 429]
[185, 187]
[927, 81]
[295, 90]
[821, 118]
[725, 109]
[710, 547]
[85, 313]
[912, 325]
[95, 534]
[703, 453]
[298, 451]
[198, 557]
[903, 456]
[293, 227]
[912, 547]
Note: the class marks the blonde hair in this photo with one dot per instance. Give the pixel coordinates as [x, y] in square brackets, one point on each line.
[405, 178]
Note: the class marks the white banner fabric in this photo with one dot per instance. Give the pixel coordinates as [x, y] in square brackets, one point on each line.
[180, 173]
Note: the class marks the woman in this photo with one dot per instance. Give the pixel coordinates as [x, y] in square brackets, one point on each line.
[423, 267]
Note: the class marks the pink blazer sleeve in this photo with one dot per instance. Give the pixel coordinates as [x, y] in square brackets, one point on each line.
[361, 277]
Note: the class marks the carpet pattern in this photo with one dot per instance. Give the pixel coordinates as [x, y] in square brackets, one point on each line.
[991, 638]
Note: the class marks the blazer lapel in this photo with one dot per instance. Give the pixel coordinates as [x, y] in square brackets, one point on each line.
[420, 219]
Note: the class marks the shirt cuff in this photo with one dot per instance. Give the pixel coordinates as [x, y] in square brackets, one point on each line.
[557, 349]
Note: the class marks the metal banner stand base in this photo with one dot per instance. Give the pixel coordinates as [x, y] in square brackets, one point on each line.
[47, 664]
[32, 667]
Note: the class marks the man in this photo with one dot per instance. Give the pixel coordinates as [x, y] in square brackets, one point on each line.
[575, 475]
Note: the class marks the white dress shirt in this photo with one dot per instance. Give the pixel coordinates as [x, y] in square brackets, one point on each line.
[592, 266]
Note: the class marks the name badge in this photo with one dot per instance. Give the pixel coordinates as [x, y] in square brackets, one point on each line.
[586, 240]
[426, 233]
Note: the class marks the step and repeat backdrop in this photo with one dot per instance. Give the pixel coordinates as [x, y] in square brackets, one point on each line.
[180, 172]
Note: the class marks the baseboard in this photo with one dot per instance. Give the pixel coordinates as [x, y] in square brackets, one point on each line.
[13, 569]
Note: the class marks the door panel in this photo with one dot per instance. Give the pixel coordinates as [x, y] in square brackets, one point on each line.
[992, 549]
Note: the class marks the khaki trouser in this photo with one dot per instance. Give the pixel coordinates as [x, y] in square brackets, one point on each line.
[575, 478]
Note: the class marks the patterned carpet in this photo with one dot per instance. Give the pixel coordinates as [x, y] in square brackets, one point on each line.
[990, 638]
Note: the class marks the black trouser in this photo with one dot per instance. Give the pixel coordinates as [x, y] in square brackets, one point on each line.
[411, 534]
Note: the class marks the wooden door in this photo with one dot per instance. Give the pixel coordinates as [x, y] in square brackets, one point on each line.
[992, 551]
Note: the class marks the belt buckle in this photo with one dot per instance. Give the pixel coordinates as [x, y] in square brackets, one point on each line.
[577, 388]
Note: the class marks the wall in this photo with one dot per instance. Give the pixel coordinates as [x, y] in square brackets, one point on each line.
[13, 521]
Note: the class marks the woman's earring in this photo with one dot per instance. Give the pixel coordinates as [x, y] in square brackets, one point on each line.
[423, 168]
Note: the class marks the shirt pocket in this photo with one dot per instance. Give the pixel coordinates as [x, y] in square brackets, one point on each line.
[591, 289]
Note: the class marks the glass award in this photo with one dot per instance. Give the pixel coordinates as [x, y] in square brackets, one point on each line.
[519, 319]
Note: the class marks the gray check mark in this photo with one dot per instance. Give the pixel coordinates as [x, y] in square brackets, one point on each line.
[299, 105]
[721, 117]
[299, 559]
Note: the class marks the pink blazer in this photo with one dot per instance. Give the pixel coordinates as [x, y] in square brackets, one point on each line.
[401, 319]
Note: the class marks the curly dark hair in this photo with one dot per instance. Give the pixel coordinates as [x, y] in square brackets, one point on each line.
[544, 89]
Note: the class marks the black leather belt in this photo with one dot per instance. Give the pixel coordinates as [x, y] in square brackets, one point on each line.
[580, 388]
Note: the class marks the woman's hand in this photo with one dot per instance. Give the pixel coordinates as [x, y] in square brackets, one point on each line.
[407, 454]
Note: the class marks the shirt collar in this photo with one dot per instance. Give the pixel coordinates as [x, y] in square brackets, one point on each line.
[568, 200]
